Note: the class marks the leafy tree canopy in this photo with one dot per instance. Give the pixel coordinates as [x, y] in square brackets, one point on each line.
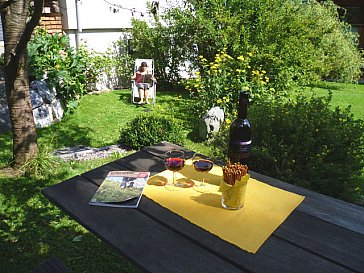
[297, 42]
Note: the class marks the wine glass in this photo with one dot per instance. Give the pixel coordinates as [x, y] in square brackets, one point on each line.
[174, 161]
[202, 164]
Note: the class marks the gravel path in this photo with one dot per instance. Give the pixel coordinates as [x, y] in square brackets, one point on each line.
[81, 153]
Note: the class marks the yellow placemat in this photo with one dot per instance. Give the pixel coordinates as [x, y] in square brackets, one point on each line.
[265, 208]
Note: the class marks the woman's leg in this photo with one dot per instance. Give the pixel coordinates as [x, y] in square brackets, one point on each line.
[141, 95]
[146, 93]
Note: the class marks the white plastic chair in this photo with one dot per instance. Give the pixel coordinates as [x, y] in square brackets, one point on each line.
[135, 96]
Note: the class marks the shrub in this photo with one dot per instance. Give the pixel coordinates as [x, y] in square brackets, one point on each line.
[122, 64]
[299, 42]
[64, 67]
[306, 143]
[219, 82]
[115, 64]
[149, 129]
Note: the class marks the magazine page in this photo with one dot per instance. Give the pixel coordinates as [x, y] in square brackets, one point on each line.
[121, 189]
[148, 78]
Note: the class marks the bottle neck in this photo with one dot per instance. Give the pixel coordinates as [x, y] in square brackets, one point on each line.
[243, 105]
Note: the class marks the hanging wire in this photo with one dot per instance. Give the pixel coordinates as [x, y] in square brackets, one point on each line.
[115, 8]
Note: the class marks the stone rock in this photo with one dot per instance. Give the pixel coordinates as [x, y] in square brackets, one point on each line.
[5, 123]
[57, 110]
[211, 122]
[36, 99]
[43, 116]
[41, 87]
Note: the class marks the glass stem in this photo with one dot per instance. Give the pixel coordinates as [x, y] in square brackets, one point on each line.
[174, 177]
[203, 179]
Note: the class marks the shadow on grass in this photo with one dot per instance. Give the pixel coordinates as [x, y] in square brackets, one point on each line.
[125, 98]
[326, 85]
[32, 229]
[6, 146]
[65, 136]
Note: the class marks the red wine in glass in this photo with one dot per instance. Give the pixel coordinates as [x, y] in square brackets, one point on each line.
[203, 165]
[174, 164]
[175, 161]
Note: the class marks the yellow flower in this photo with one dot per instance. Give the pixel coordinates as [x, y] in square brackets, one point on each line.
[219, 101]
[226, 56]
[266, 79]
[263, 71]
[196, 85]
[197, 72]
[228, 121]
[241, 58]
[250, 54]
[57, 66]
[201, 57]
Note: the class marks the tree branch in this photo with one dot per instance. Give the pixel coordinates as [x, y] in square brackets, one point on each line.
[5, 4]
[28, 30]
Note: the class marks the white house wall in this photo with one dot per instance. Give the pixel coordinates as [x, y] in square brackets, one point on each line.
[98, 23]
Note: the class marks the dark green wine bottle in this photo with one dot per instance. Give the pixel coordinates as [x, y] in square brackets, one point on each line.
[240, 139]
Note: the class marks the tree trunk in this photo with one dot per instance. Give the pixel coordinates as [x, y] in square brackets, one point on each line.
[17, 30]
[21, 113]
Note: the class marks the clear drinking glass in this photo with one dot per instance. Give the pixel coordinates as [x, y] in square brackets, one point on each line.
[202, 164]
[174, 161]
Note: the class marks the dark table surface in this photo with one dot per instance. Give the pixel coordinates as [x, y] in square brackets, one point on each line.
[322, 234]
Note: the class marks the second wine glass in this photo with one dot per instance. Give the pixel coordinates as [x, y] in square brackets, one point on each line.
[202, 164]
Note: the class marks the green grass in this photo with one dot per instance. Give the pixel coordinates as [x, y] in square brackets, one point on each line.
[98, 119]
[32, 229]
[343, 95]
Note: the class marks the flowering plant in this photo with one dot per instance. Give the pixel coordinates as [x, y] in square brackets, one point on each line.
[218, 83]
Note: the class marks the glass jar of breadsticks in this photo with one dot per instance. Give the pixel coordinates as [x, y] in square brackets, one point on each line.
[233, 185]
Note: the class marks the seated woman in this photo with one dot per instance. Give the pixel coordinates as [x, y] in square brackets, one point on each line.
[143, 78]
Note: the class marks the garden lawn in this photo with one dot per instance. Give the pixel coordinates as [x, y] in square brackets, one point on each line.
[32, 229]
[343, 95]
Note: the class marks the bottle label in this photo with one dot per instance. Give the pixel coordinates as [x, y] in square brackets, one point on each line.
[239, 151]
[241, 146]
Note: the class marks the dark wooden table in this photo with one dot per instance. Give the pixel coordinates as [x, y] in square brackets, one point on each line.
[322, 235]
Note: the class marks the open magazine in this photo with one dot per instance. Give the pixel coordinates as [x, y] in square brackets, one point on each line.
[121, 189]
[144, 78]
